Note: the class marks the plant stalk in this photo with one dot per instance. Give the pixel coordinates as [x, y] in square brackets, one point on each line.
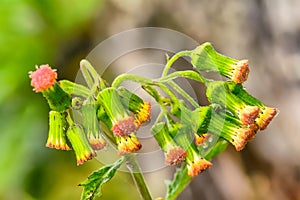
[173, 59]
[137, 176]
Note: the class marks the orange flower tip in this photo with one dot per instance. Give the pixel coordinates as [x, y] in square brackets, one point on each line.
[200, 139]
[253, 128]
[64, 147]
[241, 137]
[249, 114]
[85, 158]
[175, 155]
[128, 144]
[143, 114]
[265, 117]
[124, 127]
[241, 71]
[198, 166]
[43, 78]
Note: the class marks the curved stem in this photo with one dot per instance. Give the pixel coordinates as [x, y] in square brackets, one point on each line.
[190, 74]
[137, 176]
[173, 59]
[124, 77]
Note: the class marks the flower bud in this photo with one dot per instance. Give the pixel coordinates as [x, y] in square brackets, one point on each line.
[56, 137]
[128, 144]
[265, 115]
[136, 105]
[218, 92]
[80, 144]
[196, 163]
[122, 123]
[44, 80]
[174, 154]
[91, 124]
[206, 58]
[231, 129]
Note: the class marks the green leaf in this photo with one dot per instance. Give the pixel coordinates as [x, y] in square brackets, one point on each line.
[177, 185]
[92, 186]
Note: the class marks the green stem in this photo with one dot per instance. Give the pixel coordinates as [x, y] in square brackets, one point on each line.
[183, 93]
[137, 176]
[172, 96]
[124, 77]
[173, 59]
[190, 74]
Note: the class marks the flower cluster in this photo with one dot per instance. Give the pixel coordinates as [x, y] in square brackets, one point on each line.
[182, 129]
[121, 111]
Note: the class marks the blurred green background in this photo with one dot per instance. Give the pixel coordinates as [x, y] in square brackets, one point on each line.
[61, 33]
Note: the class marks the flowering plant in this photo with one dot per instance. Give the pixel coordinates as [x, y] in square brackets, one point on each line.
[189, 134]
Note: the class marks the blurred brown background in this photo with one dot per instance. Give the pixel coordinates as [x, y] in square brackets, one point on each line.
[61, 33]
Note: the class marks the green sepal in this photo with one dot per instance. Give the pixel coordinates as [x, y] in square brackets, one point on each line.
[162, 136]
[112, 104]
[218, 92]
[203, 116]
[206, 58]
[80, 144]
[241, 93]
[92, 186]
[72, 88]
[130, 99]
[57, 98]
[91, 124]
[57, 131]
[103, 117]
[223, 122]
[184, 137]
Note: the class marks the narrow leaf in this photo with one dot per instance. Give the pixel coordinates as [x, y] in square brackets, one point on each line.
[92, 186]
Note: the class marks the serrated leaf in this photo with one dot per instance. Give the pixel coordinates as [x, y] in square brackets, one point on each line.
[177, 185]
[92, 186]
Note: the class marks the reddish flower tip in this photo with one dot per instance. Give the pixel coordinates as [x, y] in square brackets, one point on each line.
[124, 127]
[249, 114]
[43, 78]
[241, 71]
[175, 156]
[97, 143]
